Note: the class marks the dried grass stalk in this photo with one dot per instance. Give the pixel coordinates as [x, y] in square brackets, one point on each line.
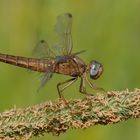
[57, 117]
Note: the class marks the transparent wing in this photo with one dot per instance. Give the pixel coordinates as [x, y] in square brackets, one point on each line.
[45, 78]
[63, 29]
[42, 50]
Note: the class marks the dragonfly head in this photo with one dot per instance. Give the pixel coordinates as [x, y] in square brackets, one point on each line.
[95, 69]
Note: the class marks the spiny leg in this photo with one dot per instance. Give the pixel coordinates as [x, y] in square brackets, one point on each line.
[68, 83]
[82, 88]
[93, 85]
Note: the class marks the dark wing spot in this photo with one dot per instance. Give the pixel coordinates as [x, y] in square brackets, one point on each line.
[69, 15]
[42, 41]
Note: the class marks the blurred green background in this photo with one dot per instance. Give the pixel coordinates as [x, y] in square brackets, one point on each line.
[109, 31]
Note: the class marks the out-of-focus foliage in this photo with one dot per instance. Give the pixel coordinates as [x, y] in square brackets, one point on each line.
[108, 30]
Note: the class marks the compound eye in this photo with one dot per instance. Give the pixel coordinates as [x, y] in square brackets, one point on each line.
[96, 69]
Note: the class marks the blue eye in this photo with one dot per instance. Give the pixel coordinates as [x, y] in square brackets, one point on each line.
[96, 69]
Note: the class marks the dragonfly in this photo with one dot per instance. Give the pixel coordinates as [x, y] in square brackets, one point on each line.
[60, 60]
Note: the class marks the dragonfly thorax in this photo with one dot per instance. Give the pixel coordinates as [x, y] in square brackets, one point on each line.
[70, 65]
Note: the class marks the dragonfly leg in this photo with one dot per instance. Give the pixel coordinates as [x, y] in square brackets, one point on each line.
[82, 88]
[94, 86]
[68, 83]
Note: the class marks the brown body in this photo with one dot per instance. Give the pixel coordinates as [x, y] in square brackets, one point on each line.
[67, 65]
[70, 65]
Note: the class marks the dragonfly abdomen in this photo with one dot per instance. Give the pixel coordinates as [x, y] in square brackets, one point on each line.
[34, 64]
